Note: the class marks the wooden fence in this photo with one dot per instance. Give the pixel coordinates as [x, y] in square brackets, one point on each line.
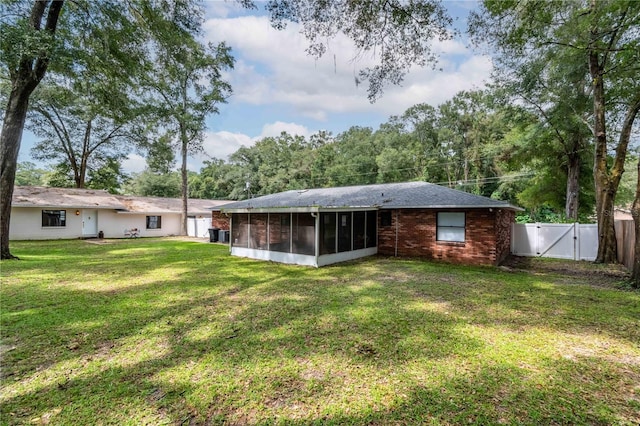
[626, 236]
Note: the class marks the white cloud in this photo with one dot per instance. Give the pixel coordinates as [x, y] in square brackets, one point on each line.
[436, 87]
[274, 69]
[134, 163]
[222, 144]
[222, 9]
[274, 129]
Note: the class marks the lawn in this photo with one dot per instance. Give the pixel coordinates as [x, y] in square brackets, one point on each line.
[167, 331]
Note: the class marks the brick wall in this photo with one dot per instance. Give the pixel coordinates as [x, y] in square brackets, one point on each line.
[504, 220]
[487, 236]
[219, 220]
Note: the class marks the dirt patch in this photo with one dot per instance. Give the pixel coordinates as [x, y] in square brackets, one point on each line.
[579, 272]
[98, 241]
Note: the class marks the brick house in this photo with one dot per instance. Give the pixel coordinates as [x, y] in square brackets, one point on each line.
[322, 226]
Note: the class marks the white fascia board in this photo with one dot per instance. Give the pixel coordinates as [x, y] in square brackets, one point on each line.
[147, 213]
[313, 209]
[348, 209]
[458, 207]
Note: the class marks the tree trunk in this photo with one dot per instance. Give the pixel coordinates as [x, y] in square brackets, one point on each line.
[604, 183]
[84, 156]
[573, 187]
[635, 211]
[14, 119]
[185, 188]
[23, 82]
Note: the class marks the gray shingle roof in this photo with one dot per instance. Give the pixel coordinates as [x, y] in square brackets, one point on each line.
[383, 196]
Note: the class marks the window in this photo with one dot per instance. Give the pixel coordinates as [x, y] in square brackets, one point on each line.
[154, 222]
[51, 218]
[450, 226]
[385, 218]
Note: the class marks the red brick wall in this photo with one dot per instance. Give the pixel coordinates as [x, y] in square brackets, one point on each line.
[487, 236]
[219, 220]
[504, 221]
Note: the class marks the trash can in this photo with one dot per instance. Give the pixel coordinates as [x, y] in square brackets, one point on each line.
[224, 236]
[213, 235]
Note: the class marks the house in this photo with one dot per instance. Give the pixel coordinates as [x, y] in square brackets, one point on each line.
[319, 227]
[41, 213]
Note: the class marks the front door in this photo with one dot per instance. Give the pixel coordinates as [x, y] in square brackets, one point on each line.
[89, 222]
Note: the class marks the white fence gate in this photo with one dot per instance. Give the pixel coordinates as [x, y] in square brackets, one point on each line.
[198, 227]
[557, 240]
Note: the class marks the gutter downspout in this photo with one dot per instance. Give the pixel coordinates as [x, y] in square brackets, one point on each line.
[316, 216]
[230, 231]
[397, 226]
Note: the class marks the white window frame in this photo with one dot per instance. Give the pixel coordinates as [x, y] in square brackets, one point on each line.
[451, 227]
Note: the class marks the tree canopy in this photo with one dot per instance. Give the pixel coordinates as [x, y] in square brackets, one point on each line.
[594, 45]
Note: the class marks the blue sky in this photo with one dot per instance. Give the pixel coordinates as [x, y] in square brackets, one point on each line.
[278, 87]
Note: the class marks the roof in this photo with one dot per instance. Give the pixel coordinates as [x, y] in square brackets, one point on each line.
[380, 196]
[75, 198]
[169, 205]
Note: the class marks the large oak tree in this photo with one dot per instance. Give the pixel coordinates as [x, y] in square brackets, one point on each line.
[27, 46]
[603, 36]
[58, 36]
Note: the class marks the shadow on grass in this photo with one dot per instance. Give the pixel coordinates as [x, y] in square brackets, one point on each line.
[233, 341]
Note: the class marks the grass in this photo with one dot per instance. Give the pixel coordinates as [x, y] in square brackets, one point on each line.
[162, 331]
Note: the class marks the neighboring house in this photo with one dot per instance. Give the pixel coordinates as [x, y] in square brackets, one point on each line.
[318, 227]
[40, 213]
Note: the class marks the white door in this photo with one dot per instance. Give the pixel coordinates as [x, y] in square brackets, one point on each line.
[192, 227]
[89, 222]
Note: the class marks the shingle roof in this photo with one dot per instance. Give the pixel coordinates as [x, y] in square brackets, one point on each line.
[168, 205]
[383, 196]
[74, 198]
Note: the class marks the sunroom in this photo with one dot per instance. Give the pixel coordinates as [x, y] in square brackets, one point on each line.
[304, 236]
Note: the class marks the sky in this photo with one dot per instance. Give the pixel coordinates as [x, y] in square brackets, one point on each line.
[278, 87]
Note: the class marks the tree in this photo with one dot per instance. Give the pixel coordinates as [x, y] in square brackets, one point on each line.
[60, 176]
[354, 161]
[108, 176]
[150, 184]
[28, 174]
[554, 88]
[604, 34]
[213, 181]
[398, 32]
[635, 273]
[26, 46]
[187, 86]
[77, 129]
[37, 37]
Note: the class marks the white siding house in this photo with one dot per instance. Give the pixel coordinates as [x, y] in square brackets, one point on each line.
[40, 213]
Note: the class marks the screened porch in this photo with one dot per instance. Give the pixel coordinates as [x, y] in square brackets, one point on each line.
[314, 238]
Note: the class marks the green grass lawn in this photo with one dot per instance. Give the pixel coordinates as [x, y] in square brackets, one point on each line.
[155, 331]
